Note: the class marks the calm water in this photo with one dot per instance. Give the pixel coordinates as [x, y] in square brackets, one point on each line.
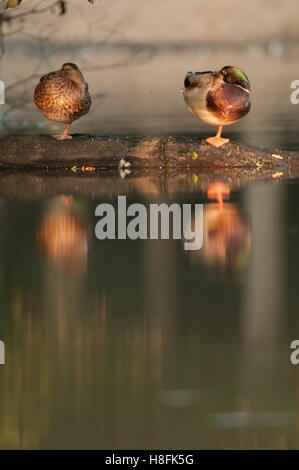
[140, 344]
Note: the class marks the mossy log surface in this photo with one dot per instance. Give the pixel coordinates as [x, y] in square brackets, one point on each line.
[44, 153]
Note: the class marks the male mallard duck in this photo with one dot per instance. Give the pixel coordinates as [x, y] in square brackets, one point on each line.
[218, 98]
[62, 96]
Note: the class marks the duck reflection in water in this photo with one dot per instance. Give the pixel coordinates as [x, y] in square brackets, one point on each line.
[62, 235]
[227, 232]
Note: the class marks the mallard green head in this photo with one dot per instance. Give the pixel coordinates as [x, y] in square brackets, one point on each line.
[235, 76]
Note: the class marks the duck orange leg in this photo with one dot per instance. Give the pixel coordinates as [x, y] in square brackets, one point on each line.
[67, 201]
[64, 135]
[217, 141]
[219, 191]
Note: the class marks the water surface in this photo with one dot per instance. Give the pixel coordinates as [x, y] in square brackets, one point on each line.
[141, 344]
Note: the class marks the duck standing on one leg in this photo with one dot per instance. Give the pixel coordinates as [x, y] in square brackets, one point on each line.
[62, 96]
[218, 98]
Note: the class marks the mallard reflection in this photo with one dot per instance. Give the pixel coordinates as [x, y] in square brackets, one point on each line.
[226, 232]
[62, 235]
[227, 236]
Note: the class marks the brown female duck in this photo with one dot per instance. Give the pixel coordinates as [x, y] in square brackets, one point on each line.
[62, 96]
[218, 98]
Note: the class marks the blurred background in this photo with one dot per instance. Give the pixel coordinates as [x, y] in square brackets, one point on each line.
[122, 344]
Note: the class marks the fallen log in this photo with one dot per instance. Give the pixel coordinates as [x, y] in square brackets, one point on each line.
[44, 153]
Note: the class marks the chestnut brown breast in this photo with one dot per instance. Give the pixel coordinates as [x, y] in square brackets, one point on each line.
[227, 102]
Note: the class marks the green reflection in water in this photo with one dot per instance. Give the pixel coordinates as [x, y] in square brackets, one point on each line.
[122, 344]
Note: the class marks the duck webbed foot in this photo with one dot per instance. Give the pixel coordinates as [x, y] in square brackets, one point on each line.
[64, 134]
[217, 141]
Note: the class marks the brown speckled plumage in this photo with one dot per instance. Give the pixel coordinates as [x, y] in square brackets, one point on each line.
[63, 96]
